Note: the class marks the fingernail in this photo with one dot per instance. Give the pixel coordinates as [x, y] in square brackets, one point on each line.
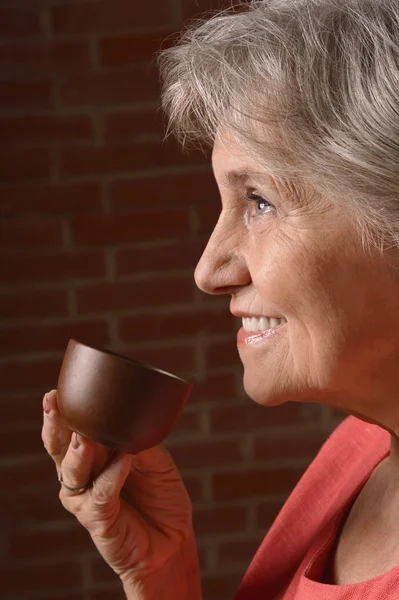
[75, 441]
[46, 404]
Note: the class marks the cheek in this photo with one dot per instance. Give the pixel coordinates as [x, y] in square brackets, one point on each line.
[299, 282]
[289, 276]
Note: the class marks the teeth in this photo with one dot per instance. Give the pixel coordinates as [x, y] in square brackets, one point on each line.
[254, 324]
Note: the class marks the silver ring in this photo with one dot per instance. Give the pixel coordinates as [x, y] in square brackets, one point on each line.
[74, 490]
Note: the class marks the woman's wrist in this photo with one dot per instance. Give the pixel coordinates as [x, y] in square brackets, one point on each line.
[178, 579]
[156, 586]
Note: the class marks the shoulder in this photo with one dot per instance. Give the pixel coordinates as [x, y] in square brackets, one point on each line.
[347, 457]
[354, 438]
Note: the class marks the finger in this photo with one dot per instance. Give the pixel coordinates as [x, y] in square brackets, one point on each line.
[100, 455]
[109, 483]
[152, 472]
[148, 471]
[154, 465]
[153, 462]
[56, 435]
[77, 467]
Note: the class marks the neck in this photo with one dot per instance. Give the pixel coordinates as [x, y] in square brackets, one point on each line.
[389, 468]
[394, 454]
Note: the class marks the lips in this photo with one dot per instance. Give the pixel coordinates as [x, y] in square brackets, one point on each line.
[259, 329]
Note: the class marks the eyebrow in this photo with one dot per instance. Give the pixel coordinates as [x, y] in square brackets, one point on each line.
[238, 177]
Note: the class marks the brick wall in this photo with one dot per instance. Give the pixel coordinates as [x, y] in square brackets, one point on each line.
[101, 227]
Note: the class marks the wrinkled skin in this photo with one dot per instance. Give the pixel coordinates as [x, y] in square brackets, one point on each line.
[286, 253]
[298, 256]
[137, 509]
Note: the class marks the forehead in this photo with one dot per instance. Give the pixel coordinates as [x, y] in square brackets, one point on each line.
[232, 167]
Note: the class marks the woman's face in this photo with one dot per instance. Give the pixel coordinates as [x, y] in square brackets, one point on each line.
[293, 257]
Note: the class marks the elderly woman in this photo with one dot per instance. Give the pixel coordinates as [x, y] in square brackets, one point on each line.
[299, 100]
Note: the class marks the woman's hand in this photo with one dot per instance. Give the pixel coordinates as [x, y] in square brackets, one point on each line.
[135, 508]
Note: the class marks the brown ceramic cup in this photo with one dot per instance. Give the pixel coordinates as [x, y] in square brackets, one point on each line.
[117, 401]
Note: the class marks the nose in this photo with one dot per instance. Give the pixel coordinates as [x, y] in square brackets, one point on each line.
[222, 267]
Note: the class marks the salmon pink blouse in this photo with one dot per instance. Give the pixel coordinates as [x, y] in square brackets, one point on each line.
[292, 562]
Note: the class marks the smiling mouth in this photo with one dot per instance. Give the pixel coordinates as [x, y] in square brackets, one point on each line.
[254, 324]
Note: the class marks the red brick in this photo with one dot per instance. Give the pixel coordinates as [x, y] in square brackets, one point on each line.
[31, 234]
[224, 519]
[220, 386]
[116, 229]
[216, 301]
[297, 444]
[135, 85]
[33, 304]
[29, 94]
[207, 454]
[224, 354]
[171, 190]
[216, 587]
[159, 327]
[45, 338]
[107, 16]
[194, 8]
[336, 416]
[115, 158]
[182, 254]
[73, 596]
[30, 476]
[49, 199]
[41, 578]
[19, 21]
[19, 164]
[252, 416]
[188, 423]
[34, 507]
[236, 552]
[134, 294]
[30, 375]
[254, 482]
[116, 593]
[101, 572]
[178, 359]
[267, 512]
[61, 542]
[51, 267]
[20, 411]
[29, 443]
[44, 58]
[45, 128]
[194, 487]
[128, 124]
[208, 215]
[125, 50]
[202, 557]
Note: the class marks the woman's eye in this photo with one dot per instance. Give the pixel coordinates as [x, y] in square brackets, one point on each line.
[261, 204]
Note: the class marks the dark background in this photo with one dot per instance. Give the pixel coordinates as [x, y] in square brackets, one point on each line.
[101, 227]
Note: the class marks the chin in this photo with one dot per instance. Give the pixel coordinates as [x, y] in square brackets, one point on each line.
[262, 392]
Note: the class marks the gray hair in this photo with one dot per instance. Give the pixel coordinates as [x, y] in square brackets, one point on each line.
[309, 87]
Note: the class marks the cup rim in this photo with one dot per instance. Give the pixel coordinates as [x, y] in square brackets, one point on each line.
[127, 359]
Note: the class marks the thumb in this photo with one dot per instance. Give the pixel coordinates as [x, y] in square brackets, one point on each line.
[111, 480]
[154, 461]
